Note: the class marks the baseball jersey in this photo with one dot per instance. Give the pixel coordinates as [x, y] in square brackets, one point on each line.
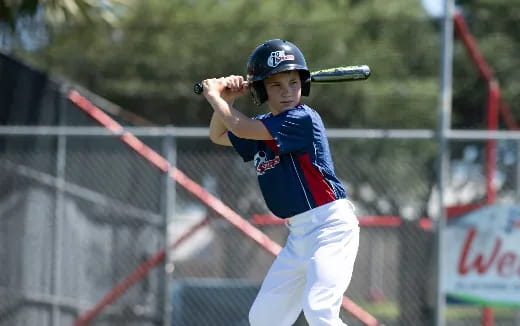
[295, 170]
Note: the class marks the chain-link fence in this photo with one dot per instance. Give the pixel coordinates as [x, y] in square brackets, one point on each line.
[74, 221]
[83, 216]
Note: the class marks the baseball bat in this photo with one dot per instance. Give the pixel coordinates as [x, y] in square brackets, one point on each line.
[325, 76]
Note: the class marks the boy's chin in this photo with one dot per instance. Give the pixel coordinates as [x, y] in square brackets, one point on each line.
[286, 106]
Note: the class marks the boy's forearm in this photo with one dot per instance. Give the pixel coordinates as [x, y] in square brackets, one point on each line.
[216, 127]
[230, 117]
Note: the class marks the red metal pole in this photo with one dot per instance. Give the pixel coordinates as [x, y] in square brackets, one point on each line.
[359, 313]
[462, 30]
[491, 151]
[491, 161]
[493, 105]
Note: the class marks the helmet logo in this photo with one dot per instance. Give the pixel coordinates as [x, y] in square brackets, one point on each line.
[276, 57]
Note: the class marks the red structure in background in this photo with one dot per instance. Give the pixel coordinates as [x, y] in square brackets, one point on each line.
[495, 107]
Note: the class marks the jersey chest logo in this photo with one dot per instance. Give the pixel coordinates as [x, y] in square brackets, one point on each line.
[262, 164]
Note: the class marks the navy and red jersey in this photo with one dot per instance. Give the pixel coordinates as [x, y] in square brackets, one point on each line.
[295, 170]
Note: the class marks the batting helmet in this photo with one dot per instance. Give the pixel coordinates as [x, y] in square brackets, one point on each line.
[270, 58]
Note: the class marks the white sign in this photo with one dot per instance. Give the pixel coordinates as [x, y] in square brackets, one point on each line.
[482, 257]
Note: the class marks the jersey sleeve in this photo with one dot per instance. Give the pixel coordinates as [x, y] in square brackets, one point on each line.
[292, 131]
[245, 147]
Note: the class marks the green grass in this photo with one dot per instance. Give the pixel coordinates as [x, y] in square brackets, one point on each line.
[390, 310]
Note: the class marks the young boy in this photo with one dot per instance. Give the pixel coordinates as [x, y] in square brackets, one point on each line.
[296, 175]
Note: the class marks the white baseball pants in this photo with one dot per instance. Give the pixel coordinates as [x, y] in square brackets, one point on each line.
[313, 270]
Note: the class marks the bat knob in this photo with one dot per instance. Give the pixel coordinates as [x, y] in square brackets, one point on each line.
[366, 70]
[198, 88]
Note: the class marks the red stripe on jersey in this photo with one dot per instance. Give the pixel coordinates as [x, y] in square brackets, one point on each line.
[318, 186]
[271, 143]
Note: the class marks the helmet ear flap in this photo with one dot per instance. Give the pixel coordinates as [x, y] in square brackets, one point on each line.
[306, 82]
[258, 92]
[306, 88]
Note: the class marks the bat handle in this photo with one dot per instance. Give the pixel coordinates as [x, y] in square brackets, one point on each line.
[198, 88]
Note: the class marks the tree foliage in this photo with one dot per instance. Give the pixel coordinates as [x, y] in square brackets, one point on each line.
[150, 60]
[60, 11]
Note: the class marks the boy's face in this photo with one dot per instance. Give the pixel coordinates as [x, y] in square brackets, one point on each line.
[283, 90]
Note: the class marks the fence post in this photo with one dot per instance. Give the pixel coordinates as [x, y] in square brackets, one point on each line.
[444, 126]
[169, 198]
[57, 241]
